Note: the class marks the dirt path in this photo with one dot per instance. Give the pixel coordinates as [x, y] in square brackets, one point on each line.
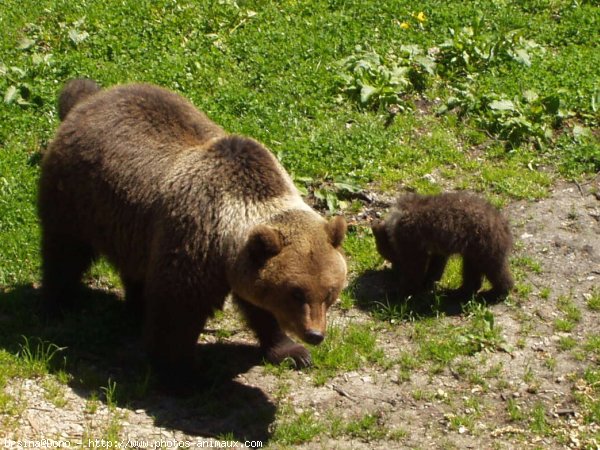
[560, 239]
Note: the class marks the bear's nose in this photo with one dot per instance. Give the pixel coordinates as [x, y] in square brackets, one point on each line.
[314, 337]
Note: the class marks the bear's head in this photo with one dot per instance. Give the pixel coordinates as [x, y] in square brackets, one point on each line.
[294, 268]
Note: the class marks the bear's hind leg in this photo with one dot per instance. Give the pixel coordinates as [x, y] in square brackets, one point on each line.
[501, 280]
[64, 261]
[472, 278]
[171, 332]
[276, 345]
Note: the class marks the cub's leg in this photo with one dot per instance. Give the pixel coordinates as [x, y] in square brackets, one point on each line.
[411, 266]
[276, 345]
[64, 261]
[501, 280]
[437, 264]
[472, 278]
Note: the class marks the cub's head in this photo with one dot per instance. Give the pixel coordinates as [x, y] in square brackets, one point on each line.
[382, 240]
[294, 269]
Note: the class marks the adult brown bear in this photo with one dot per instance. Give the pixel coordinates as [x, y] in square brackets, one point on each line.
[188, 214]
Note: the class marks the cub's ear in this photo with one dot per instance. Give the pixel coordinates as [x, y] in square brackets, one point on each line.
[264, 242]
[336, 230]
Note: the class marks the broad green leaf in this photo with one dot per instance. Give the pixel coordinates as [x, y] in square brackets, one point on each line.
[332, 201]
[412, 50]
[302, 190]
[427, 63]
[319, 194]
[399, 76]
[596, 101]
[25, 43]
[10, 95]
[366, 92]
[78, 36]
[347, 187]
[502, 105]
[580, 133]
[551, 104]
[522, 56]
[530, 95]
[18, 71]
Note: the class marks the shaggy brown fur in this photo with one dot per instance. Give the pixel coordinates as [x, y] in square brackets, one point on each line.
[188, 214]
[73, 92]
[422, 232]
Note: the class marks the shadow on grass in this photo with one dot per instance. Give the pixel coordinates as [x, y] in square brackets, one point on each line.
[102, 345]
[377, 292]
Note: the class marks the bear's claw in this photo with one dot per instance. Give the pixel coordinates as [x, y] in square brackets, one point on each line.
[295, 353]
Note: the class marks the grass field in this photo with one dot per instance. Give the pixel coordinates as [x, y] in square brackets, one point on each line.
[501, 97]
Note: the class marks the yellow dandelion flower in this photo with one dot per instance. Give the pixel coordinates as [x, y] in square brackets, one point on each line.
[421, 16]
[404, 25]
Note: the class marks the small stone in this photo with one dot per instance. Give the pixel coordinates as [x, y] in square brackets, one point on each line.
[430, 178]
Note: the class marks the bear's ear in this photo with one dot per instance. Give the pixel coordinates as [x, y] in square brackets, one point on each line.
[264, 242]
[336, 230]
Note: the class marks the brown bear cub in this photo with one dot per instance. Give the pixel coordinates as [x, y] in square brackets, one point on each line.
[188, 214]
[423, 231]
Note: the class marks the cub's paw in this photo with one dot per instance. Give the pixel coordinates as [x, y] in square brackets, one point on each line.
[290, 351]
[494, 295]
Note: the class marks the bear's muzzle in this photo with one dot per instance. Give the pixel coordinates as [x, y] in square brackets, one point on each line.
[314, 337]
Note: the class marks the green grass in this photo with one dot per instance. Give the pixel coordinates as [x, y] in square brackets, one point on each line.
[567, 343]
[571, 314]
[593, 300]
[588, 395]
[37, 357]
[359, 246]
[298, 429]
[236, 62]
[346, 348]
[54, 392]
[295, 429]
[515, 412]
[538, 422]
[440, 343]
[592, 345]
[276, 71]
[365, 428]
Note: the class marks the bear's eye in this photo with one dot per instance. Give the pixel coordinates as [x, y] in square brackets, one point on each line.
[298, 295]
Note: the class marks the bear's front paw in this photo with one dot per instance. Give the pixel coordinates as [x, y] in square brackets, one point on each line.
[291, 351]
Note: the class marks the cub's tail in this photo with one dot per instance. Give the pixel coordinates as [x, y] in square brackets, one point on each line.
[73, 92]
